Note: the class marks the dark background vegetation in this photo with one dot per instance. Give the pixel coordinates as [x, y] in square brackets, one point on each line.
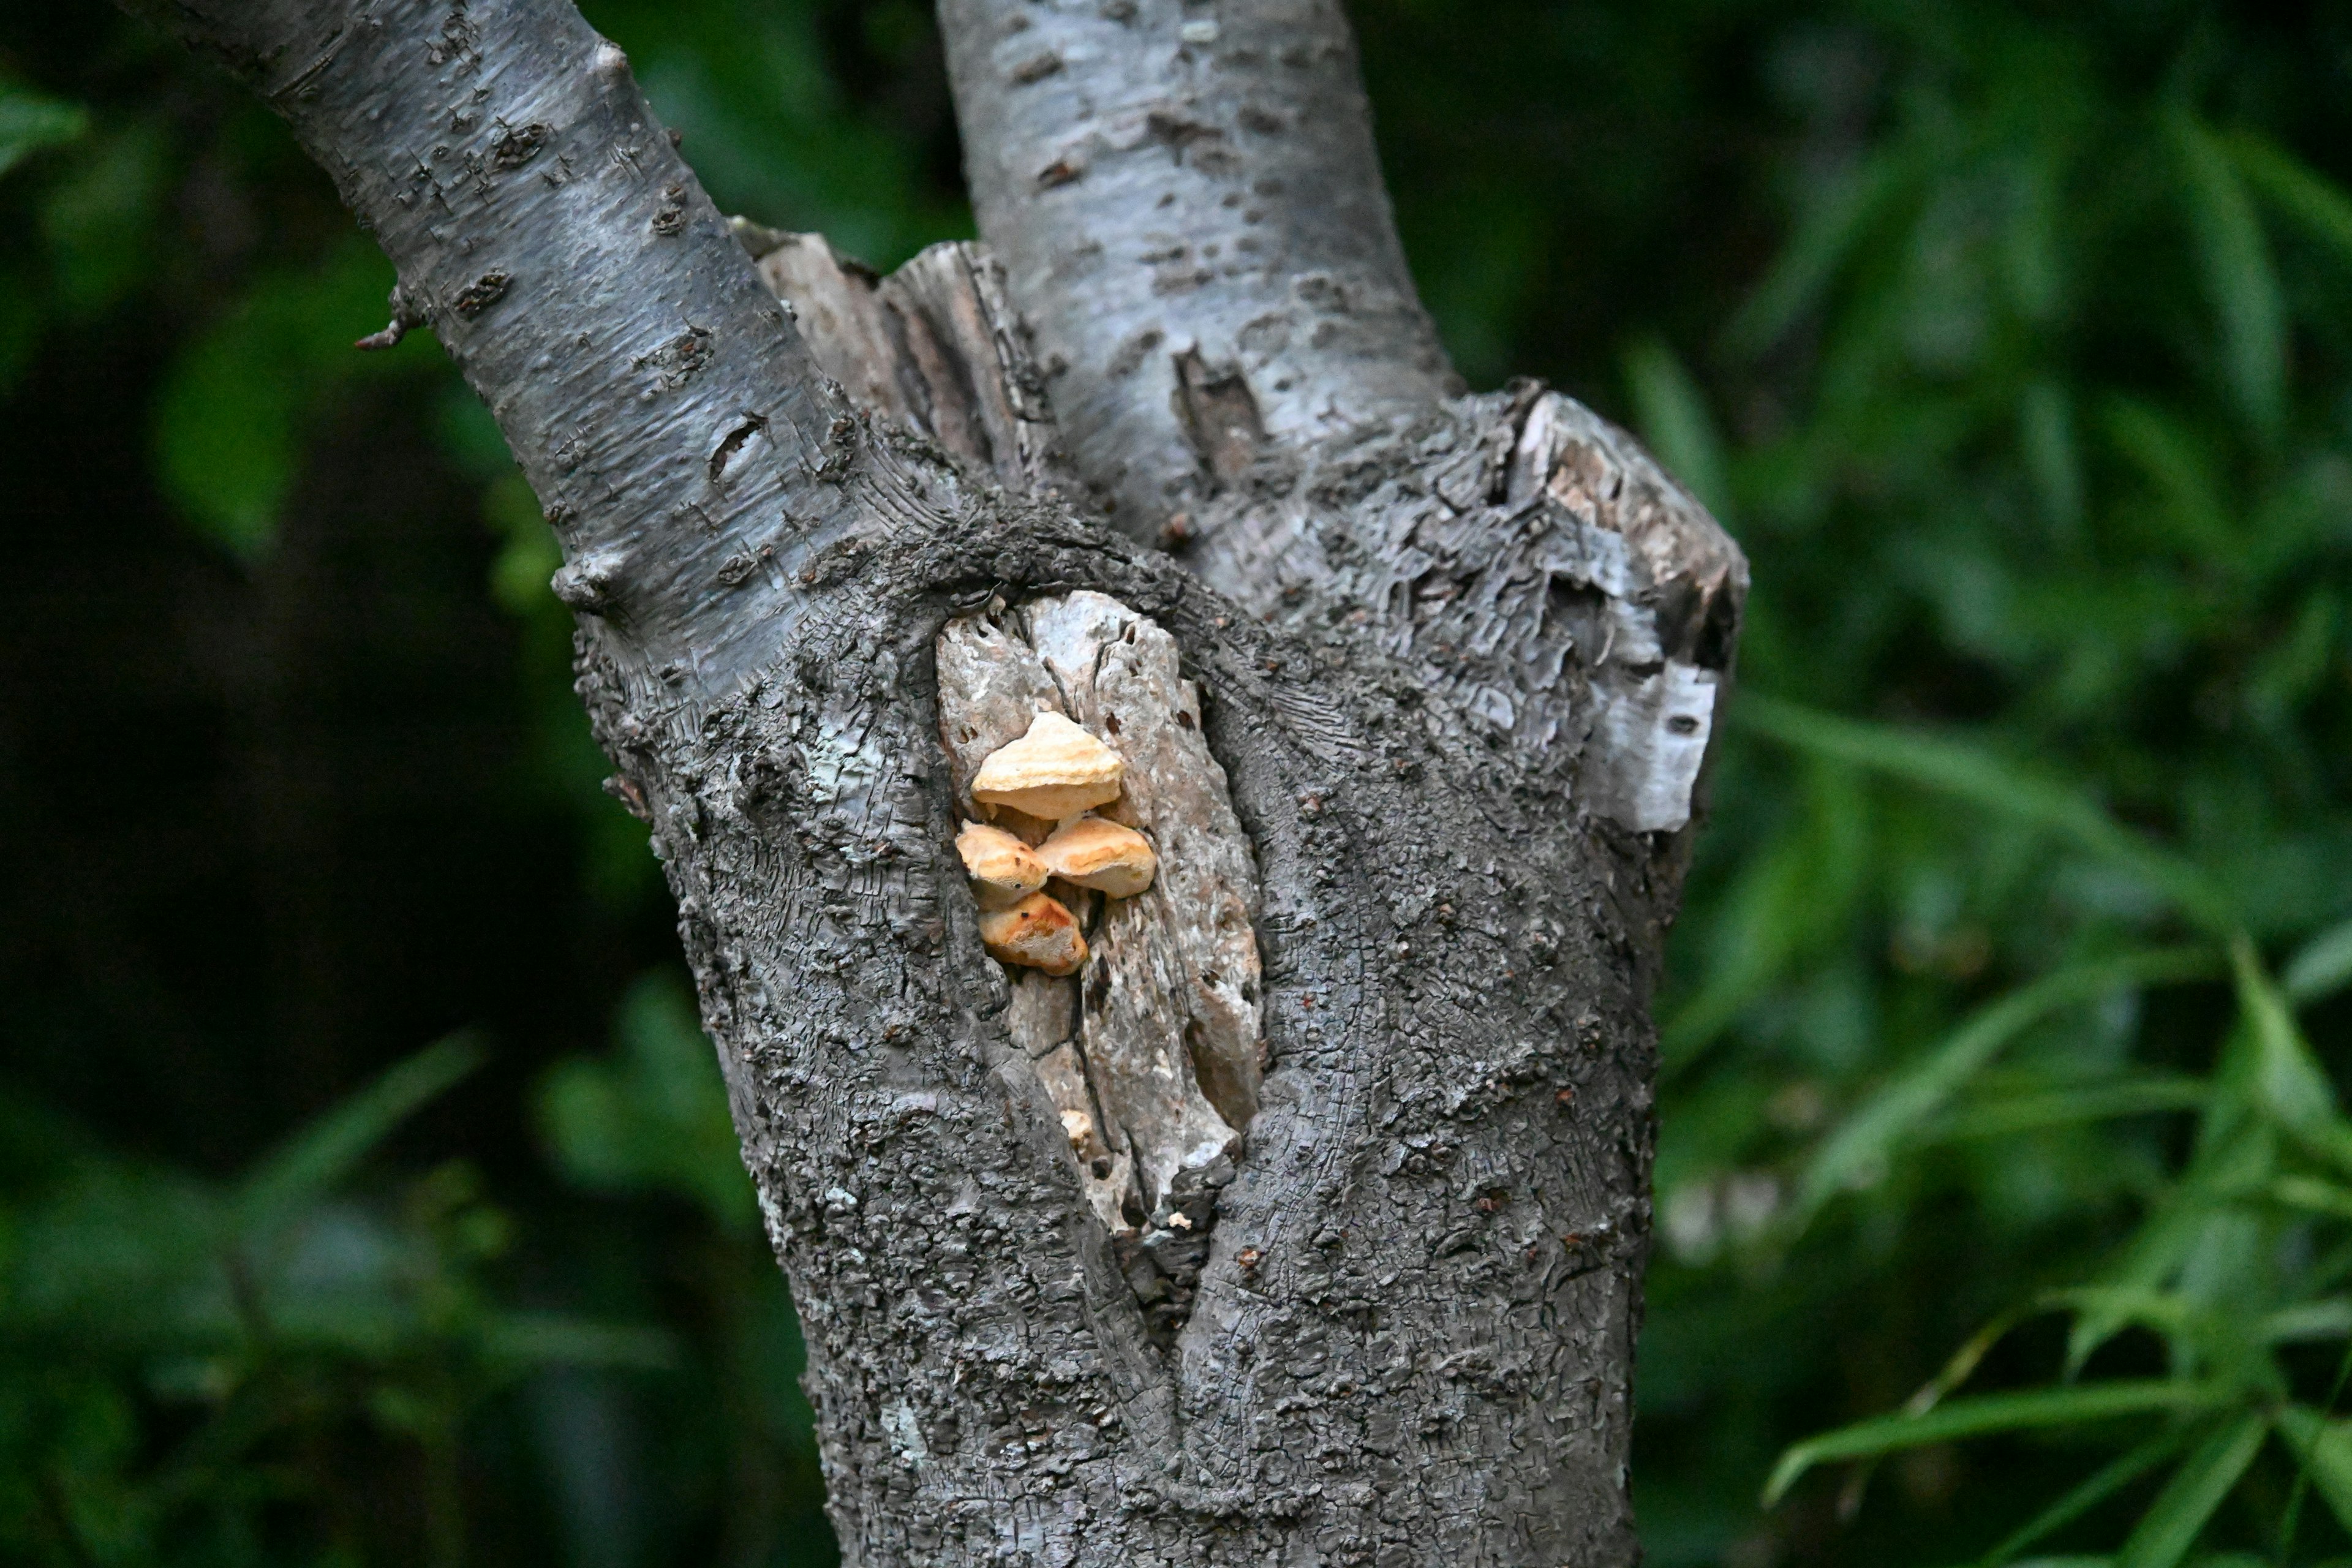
[2014, 341]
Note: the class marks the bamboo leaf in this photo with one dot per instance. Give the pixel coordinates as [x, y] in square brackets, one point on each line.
[1970, 774]
[1788, 901]
[321, 1154]
[1984, 1413]
[2310, 1321]
[2069, 1107]
[30, 122]
[2321, 968]
[1868, 1136]
[2295, 189]
[1824, 239]
[2324, 1448]
[2154, 1255]
[2239, 279]
[552, 1339]
[2178, 1516]
[2313, 1196]
[1672, 411]
[2108, 1480]
[2289, 1083]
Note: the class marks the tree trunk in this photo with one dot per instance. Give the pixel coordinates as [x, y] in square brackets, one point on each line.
[1341, 1261]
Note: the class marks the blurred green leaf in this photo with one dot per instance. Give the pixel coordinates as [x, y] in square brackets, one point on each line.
[2007, 1115]
[2321, 968]
[1976, 775]
[99, 223]
[1864, 1142]
[651, 1115]
[29, 122]
[2169, 1529]
[537, 1339]
[2295, 189]
[2102, 1484]
[2053, 456]
[1981, 1414]
[2291, 1084]
[1823, 242]
[323, 1155]
[240, 399]
[2324, 1448]
[2239, 274]
[1673, 419]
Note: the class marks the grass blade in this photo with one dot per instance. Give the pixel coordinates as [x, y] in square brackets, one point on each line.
[2295, 189]
[1871, 1133]
[2109, 1479]
[2178, 1516]
[2322, 967]
[1984, 1413]
[1970, 774]
[2018, 1113]
[28, 122]
[1674, 421]
[1824, 239]
[2288, 1082]
[319, 1156]
[2235, 256]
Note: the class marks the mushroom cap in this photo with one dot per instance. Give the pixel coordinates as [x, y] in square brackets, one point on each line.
[1036, 932]
[1055, 771]
[1104, 855]
[1004, 869]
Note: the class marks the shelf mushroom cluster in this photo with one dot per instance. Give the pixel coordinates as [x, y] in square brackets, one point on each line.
[1047, 782]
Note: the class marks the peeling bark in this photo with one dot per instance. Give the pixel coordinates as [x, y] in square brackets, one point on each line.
[1455, 659]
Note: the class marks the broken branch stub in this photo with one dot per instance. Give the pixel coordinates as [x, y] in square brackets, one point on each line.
[1152, 1052]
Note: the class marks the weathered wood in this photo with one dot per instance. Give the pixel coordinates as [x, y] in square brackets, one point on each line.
[1156, 1045]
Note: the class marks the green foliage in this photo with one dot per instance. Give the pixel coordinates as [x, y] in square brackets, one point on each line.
[652, 1118]
[178, 1358]
[29, 122]
[231, 420]
[2050, 488]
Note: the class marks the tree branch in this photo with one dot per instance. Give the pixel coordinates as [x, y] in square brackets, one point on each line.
[662, 406]
[1191, 216]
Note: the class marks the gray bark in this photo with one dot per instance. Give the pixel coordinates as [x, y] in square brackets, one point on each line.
[1457, 659]
[1186, 195]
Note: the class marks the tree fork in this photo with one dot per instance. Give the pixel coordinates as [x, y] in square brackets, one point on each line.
[1460, 702]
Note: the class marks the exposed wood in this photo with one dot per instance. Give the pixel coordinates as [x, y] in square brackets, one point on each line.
[1156, 1046]
[934, 345]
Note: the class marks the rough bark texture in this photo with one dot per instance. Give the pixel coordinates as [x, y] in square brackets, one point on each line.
[1187, 203]
[1458, 662]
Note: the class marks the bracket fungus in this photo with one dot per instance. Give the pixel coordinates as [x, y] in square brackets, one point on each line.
[1076, 747]
[1003, 870]
[1038, 932]
[1055, 771]
[1089, 852]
